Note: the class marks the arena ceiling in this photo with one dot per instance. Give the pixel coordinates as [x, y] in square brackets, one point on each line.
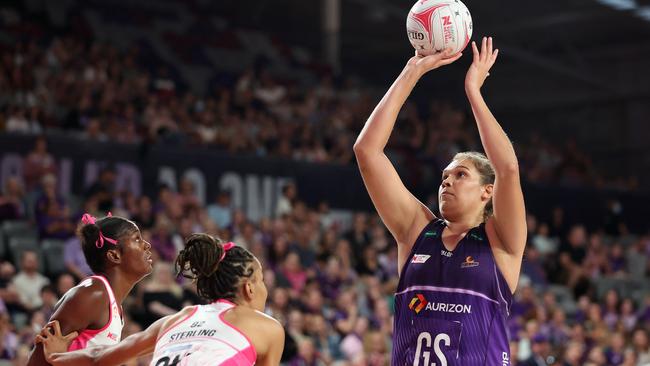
[578, 68]
[583, 50]
[572, 69]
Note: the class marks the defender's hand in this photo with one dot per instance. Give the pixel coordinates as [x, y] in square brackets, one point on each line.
[54, 342]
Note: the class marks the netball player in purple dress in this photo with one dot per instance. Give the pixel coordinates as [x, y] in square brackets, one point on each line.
[457, 271]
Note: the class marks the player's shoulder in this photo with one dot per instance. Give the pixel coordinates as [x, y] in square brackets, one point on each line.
[87, 294]
[259, 320]
[492, 233]
[83, 305]
[186, 312]
[265, 318]
[270, 324]
[180, 316]
[425, 227]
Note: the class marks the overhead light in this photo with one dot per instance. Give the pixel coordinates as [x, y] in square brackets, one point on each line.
[619, 4]
[642, 11]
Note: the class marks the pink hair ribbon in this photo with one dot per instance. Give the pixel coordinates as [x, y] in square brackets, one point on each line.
[89, 219]
[226, 247]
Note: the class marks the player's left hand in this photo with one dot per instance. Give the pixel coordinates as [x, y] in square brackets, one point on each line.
[54, 342]
[480, 68]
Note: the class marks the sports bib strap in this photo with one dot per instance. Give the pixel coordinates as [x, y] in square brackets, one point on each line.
[111, 296]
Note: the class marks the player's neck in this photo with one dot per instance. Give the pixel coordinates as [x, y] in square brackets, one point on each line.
[462, 224]
[243, 304]
[120, 283]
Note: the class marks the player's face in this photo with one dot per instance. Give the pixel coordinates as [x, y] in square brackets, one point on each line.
[136, 254]
[260, 293]
[461, 192]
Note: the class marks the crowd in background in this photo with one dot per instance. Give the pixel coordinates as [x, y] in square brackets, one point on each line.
[330, 283]
[99, 92]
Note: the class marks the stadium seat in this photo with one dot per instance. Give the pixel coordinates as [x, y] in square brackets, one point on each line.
[14, 229]
[17, 245]
[640, 295]
[53, 252]
[3, 246]
[564, 296]
[75, 203]
[14, 224]
[18, 229]
[30, 203]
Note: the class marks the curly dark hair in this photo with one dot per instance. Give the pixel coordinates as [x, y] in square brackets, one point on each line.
[216, 278]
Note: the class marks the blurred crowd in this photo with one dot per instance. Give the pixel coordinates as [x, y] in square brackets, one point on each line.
[99, 92]
[583, 297]
[330, 282]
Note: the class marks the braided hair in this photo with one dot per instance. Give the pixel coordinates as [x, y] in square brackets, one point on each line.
[217, 272]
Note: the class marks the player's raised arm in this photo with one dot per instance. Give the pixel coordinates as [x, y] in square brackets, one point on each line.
[509, 212]
[398, 208]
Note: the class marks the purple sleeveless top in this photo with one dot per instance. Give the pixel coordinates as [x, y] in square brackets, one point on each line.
[451, 307]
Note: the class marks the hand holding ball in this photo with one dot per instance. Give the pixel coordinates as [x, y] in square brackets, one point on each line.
[434, 25]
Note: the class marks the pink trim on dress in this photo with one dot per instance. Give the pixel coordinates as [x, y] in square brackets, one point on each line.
[111, 296]
[87, 334]
[250, 353]
[221, 316]
[81, 341]
[224, 301]
[206, 338]
[240, 359]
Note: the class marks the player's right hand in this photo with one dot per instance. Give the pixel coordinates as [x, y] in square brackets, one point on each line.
[425, 63]
[54, 342]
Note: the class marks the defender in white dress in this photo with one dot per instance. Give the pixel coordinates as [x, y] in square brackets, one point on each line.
[92, 310]
[231, 331]
[205, 337]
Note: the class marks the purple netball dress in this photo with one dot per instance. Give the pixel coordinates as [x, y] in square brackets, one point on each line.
[451, 307]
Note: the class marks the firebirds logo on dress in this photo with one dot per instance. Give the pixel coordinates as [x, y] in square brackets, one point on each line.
[469, 262]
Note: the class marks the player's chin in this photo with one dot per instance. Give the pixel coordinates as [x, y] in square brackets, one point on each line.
[147, 267]
[445, 203]
[447, 209]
